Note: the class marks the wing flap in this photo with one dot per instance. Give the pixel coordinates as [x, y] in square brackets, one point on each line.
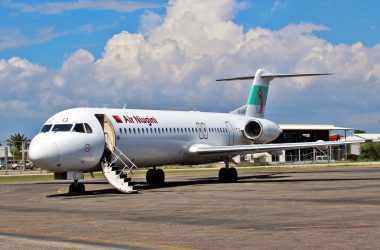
[258, 148]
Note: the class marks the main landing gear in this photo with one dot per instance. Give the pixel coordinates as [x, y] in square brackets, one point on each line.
[155, 177]
[227, 174]
[76, 187]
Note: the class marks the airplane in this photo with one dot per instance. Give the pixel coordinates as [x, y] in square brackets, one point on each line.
[117, 141]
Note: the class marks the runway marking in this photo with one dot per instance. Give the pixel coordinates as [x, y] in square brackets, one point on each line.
[81, 244]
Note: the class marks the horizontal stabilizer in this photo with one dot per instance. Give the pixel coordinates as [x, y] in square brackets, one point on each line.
[271, 76]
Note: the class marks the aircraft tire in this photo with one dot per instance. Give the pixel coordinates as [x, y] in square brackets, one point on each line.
[223, 175]
[150, 176]
[228, 175]
[77, 188]
[160, 175]
[233, 175]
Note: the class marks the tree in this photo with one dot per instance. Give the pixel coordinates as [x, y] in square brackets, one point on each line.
[15, 142]
[370, 151]
[359, 131]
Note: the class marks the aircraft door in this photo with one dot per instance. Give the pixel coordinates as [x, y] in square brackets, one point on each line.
[202, 130]
[108, 130]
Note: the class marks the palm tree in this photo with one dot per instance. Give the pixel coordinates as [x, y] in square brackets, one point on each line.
[15, 142]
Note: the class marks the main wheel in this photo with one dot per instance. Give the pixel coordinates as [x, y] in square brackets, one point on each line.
[81, 188]
[223, 174]
[160, 174]
[233, 175]
[150, 174]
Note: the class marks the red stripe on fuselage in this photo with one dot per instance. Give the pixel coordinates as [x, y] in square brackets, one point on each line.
[117, 119]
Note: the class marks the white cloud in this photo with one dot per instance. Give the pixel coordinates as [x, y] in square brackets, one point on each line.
[176, 62]
[149, 21]
[11, 39]
[62, 6]
[16, 39]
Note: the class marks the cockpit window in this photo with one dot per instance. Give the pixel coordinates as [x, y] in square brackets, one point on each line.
[62, 127]
[88, 128]
[46, 128]
[79, 128]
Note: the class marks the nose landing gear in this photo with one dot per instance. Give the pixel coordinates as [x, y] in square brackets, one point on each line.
[76, 187]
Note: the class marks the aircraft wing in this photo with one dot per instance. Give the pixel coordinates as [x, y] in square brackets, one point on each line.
[204, 149]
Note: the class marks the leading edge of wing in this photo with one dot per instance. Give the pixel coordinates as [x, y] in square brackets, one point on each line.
[257, 148]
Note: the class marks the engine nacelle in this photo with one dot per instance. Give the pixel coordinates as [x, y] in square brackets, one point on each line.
[261, 130]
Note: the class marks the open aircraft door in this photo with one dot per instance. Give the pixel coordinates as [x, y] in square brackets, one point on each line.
[108, 130]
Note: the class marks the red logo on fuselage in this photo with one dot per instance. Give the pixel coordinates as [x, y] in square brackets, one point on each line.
[135, 119]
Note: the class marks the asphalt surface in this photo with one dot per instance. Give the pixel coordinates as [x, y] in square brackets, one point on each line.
[323, 209]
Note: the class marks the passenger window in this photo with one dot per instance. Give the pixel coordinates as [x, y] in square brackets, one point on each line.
[46, 128]
[120, 129]
[62, 127]
[88, 128]
[125, 131]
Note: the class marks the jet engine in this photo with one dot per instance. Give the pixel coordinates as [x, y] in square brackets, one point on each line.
[261, 130]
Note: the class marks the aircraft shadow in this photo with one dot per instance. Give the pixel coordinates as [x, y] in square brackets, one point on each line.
[265, 178]
[168, 184]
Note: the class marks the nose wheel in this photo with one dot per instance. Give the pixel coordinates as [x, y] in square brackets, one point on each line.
[76, 188]
[155, 177]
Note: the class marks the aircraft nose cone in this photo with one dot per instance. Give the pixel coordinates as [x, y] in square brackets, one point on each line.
[44, 153]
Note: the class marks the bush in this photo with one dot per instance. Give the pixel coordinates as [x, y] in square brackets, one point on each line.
[370, 151]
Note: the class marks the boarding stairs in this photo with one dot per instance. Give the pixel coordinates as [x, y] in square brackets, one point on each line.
[119, 170]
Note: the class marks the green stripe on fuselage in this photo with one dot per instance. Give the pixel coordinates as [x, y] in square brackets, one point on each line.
[258, 95]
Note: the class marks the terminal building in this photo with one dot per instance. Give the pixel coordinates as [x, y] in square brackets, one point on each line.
[5, 156]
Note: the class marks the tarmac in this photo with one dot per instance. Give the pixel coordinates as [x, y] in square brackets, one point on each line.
[326, 208]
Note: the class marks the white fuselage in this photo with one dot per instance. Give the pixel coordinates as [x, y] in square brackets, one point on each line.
[147, 137]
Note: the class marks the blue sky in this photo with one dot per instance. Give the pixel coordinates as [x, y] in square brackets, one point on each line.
[48, 33]
[348, 22]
